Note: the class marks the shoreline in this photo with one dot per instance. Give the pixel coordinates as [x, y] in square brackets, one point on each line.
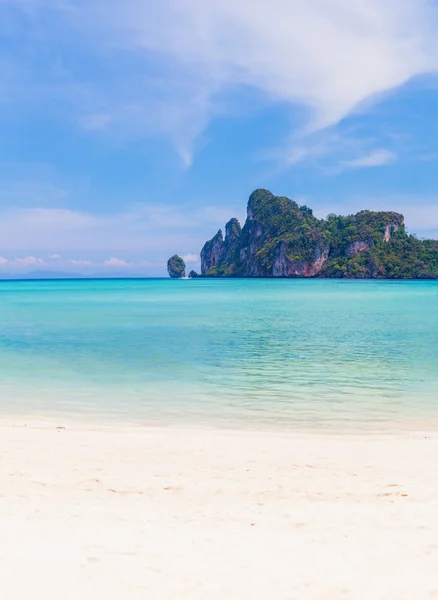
[113, 422]
[110, 512]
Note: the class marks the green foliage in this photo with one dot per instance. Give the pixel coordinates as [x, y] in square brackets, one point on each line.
[233, 229]
[305, 208]
[366, 245]
[365, 225]
[282, 221]
[176, 266]
[403, 257]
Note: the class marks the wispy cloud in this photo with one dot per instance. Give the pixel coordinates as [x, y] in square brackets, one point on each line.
[142, 237]
[377, 158]
[54, 263]
[191, 258]
[332, 152]
[163, 68]
[21, 263]
[76, 262]
[117, 262]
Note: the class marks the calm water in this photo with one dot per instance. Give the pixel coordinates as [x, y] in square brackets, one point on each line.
[226, 352]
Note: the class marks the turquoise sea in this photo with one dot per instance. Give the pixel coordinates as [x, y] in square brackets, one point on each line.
[252, 353]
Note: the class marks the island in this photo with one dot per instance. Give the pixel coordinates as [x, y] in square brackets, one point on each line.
[283, 239]
[176, 267]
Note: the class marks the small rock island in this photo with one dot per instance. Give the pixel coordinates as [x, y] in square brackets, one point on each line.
[176, 267]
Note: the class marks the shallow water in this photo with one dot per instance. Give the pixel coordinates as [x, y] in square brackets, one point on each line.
[225, 352]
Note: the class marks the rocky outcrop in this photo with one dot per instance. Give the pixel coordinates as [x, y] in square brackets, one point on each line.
[265, 246]
[193, 274]
[219, 250]
[282, 239]
[233, 232]
[176, 267]
[393, 226]
[284, 266]
[212, 253]
[356, 247]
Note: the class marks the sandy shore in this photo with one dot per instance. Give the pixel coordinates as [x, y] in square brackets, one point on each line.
[129, 513]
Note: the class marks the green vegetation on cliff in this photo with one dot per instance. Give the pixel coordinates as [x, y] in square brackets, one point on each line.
[282, 239]
[176, 267]
[403, 257]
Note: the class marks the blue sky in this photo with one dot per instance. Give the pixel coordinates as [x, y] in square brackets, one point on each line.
[131, 131]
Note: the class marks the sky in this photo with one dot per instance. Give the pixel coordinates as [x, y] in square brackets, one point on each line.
[131, 131]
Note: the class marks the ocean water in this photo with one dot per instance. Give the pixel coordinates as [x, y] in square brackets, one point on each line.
[232, 353]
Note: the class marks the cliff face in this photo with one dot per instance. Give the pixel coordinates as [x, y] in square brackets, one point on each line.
[282, 239]
[219, 251]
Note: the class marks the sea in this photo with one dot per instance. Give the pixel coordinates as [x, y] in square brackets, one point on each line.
[231, 353]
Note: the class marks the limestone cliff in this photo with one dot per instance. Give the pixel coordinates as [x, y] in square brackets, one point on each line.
[282, 239]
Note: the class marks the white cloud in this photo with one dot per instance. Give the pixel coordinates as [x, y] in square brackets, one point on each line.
[164, 67]
[21, 264]
[143, 228]
[190, 258]
[117, 262]
[79, 262]
[328, 56]
[29, 264]
[330, 151]
[29, 261]
[377, 158]
[143, 237]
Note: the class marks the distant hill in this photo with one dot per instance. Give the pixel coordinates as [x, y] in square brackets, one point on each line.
[282, 239]
[68, 275]
[41, 275]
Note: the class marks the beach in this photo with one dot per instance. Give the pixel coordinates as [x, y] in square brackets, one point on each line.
[108, 512]
[219, 300]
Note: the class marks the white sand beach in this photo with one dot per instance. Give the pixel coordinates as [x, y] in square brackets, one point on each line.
[136, 513]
